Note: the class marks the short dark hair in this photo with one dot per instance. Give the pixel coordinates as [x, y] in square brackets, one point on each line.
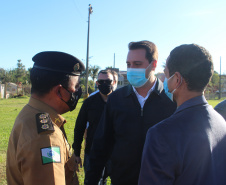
[107, 71]
[150, 47]
[115, 75]
[43, 81]
[194, 63]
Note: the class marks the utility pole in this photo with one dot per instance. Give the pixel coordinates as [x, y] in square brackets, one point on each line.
[114, 61]
[5, 76]
[220, 81]
[90, 10]
[18, 74]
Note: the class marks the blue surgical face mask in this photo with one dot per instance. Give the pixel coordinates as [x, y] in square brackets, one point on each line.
[136, 76]
[170, 95]
[173, 89]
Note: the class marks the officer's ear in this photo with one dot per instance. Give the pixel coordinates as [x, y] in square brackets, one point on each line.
[58, 90]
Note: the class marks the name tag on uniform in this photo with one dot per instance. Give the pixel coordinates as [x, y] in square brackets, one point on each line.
[51, 155]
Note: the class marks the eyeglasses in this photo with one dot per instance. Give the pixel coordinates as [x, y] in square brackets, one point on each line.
[101, 82]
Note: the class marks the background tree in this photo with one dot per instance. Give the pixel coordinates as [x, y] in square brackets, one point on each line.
[6, 76]
[93, 71]
[91, 84]
[2, 74]
[215, 79]
[27, 76]
[20, 72]
[213, 86]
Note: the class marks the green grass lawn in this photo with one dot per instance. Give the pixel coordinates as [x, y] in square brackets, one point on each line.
[10, 108]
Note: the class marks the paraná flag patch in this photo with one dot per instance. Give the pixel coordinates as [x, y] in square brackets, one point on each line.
[51, 155]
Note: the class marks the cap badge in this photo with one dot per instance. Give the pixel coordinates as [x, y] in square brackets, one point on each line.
[76, 67]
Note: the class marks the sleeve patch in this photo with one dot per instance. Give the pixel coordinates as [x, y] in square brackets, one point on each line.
[51, 155]
[44, 123]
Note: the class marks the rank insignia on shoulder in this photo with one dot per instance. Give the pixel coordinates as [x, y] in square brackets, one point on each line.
[43, 116]
[44, 123]
[45, 126]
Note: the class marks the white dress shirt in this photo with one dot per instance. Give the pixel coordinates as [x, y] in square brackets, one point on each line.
[142, 99]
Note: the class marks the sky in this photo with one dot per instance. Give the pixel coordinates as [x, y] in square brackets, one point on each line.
[29, 27]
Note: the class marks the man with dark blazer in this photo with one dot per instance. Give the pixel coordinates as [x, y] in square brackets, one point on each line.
[130, 111]
[189, 147]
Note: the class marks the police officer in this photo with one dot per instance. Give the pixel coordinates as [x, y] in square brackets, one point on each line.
[38, 151]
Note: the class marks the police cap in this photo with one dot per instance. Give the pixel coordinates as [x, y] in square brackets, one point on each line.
[58, 62]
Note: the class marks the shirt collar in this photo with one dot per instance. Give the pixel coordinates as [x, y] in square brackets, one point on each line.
[149, 92]
[157, 88]
[43, 107]
[191, 103]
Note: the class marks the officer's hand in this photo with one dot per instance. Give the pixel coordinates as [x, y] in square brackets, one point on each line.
[78, 161]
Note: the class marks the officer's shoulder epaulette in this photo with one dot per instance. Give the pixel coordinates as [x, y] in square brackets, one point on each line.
[44, 123]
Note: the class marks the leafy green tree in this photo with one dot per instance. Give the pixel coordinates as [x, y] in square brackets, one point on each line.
[83, 81]
[215, 79]
[6, 76]
[27, 76]
[12, 75]
[93, 71]
[90, 85]
[20, 72]
[2, 74]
